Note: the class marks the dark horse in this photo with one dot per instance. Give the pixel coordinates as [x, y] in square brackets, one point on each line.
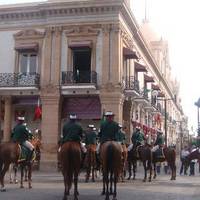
[90, 161]
[144, 154]
[70, 162]
[10, 153]
[195, 154]
[170, 157]
[111, 158]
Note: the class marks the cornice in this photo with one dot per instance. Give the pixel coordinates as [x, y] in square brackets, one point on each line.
[29, 33]
[45, 11]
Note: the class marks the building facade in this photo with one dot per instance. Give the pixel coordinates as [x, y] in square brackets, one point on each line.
[84, 57]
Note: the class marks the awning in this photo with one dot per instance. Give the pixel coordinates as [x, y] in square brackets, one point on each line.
[155, 87]
[83, 107]
[26, 101]
[139, 67]
[82, 44]
[160, 94]
[148, 78]
[129, 54]
[27, 47]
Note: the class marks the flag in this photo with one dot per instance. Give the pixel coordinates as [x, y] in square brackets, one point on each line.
[38, 111]
[103, 117]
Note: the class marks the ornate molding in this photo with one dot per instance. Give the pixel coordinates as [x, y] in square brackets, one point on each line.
[82, 30]
[29, 34]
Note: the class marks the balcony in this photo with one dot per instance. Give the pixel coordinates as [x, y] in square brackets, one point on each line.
[88, 77]
[16, 80]
[131, 84]
[83, 82]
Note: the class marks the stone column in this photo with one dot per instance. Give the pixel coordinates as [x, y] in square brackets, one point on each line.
[7, 119]
[113, 102]
[50, 131]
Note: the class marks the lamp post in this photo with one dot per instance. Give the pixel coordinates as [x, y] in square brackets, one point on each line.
[198, 123]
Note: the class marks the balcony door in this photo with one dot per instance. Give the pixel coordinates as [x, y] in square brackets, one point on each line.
[82, 64]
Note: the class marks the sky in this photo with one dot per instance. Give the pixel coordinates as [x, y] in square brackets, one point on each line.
[178, 22]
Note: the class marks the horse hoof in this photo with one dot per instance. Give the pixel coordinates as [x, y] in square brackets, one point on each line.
[3, 189]
[21, 186]
[128, 178]
[144, 180]
[149, 180]
[30, 187]
[16, 181]
[103, 193]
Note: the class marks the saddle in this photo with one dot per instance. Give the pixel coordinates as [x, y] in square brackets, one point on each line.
[159, 153]
[24, 153]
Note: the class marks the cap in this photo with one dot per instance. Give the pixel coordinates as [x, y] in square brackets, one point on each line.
[137, 127]
[21, 118]
[90, 126]
[109, 113]
[72, 116]
[94, 129]
[120, 126]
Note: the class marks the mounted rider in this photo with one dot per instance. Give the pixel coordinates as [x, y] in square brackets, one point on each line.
[22, 134]
[108, 129]
[159, 144]
[90, 136]
[121, 136]
[138, 137]
[72, 131]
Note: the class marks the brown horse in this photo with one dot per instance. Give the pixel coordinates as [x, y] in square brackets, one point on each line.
[124, 159]
[70, 161]
[144, 154]
[111, 158]
[170, 157]
[10, 153]
[90, 161]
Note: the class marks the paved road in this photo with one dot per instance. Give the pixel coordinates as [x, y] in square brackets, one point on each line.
[49, 186]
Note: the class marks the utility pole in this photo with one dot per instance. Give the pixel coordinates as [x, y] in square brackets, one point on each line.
[165, 107]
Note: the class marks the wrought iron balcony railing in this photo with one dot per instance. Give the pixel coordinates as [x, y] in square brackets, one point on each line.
[130, 83]
[70, 77]
[19, 80]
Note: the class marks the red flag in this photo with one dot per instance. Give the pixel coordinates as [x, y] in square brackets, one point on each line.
[38, 111]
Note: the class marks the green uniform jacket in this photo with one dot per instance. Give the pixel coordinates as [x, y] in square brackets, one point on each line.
[21, 133]
[108, 131]
[137, 137]
[121, 137]
[159, 140]
[72, 132]
[91, 138]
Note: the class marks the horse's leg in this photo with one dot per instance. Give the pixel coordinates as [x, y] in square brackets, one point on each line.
[115, 188]
[145, 171]
[104, 185]
[22, 175]
[10, 172]
[111, 182]
[107, 186]
[26, 173]
[76, 193]
[134, 169]
[66, 191]
[87, 176]
[129, 170]
[150, 169]
[2, 174]
[173, 170]
[29, 173]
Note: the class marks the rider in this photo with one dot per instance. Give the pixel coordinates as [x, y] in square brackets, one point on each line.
[138, 137]
[90, 136]
[121, 137]
[72, 131]
[21, 134]
[159, 143]
[108, 129]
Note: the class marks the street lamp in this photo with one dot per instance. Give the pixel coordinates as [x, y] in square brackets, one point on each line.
[198, 123]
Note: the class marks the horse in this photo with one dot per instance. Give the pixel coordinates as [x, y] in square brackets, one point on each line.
[90, 161]
[10, 153]
[144, 154]
[36, 142]
[170, 157]
[70, 162]
[111, 158]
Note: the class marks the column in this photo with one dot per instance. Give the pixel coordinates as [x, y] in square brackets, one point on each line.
[50, 128]
[7, 119]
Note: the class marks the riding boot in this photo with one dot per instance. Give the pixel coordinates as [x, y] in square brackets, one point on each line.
[83, 159]
[98, 161]
[29, 157]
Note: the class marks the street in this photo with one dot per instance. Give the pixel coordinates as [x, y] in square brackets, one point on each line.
[49, 186]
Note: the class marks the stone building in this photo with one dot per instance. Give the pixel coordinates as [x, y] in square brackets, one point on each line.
[86, 57]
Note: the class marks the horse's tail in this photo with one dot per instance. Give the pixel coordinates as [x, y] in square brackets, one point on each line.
[70, 168]
[110, 157]
[1, 161]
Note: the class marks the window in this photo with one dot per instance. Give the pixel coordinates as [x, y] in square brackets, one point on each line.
[82, 64]
[28, 62]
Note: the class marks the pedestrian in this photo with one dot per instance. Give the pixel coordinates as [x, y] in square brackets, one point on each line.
[184, 153]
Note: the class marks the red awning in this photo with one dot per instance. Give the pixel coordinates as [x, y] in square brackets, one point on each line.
[129, 54]
[78, 44]
[155, 87]
[148, 78]
[139, 67]
[83, 107]
[28, 46]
